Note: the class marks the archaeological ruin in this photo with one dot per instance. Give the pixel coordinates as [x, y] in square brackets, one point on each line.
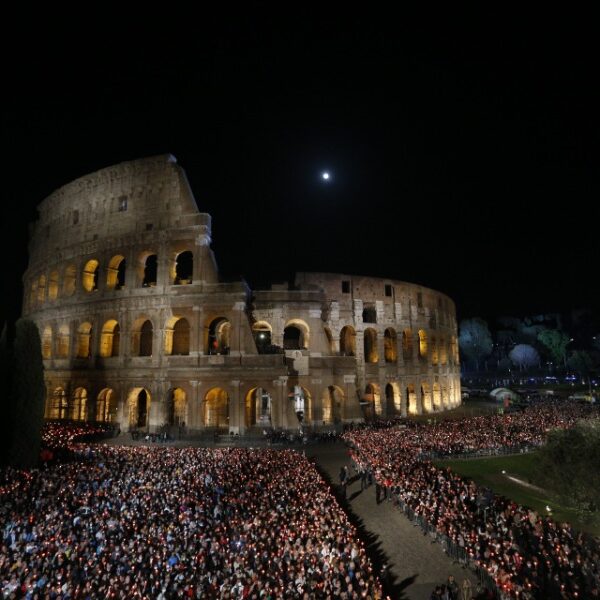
[138, 330]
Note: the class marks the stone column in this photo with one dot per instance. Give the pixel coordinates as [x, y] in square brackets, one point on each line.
[235, 422]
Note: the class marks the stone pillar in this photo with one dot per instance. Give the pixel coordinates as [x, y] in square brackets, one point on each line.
[236, 341]
[280, 398]
[236, 424]
[419, 397]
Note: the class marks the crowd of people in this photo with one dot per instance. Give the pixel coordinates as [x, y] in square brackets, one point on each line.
[159, 522]
[528, 556]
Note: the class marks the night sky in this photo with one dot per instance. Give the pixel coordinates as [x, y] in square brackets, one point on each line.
[464, 156]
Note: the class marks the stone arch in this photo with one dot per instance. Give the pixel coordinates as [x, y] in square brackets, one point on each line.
[426, 397]
[453, 351]
[106, 406]
[69, 280]
[177, 407]
[332, 401]
[407, 345]
[110, 339]
[115, 274]
[216, 409]
[53, 286]
[63, 341]
[138, 403]
[219, 336]
[57, 404]
[258, 406]
[445, 397]
[182, 268]
[437, 396]
[393, 399]
[78, 409]
[143, 337]
[147, 269]
[390, 345]
[329, 338]
[90, 276]
[348, 341]
[47, 342]
[411, 398]
[435, 355]
[296, 335]
[84, 340]
[177, 336]
[370, 346]
[423, 346]
[373, 394]
[41, 289]
[263, 332]
[443, 351]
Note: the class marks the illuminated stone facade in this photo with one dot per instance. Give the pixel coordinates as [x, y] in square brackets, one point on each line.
[137, 329]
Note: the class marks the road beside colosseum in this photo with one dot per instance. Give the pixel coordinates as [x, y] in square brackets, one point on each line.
[416, 564]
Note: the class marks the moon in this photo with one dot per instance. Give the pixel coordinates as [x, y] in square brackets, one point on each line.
[325, 175]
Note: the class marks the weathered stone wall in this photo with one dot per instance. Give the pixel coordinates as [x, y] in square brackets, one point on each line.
[146, 346]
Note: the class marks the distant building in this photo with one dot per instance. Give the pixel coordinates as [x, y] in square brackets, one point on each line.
[137, 329]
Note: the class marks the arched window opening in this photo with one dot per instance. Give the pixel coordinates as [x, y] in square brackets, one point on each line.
[443, 352]
[41, 292]
[292, 338]
[411, 397]
[47, 342]
[301, 400]
[150, 271]
[216, 409]
[373, 397]
[69, 280]
[348, 341]
[258, 408]
[422, 344]
[53, 286]
[426, 397]
[390, 403]
[369, 314]
[139, 408]
[115, 276]
[177, 407]
[177, 337]
[57, 405]
[296, 335]
[91, 272]
[435, 357]
[110, 339]
[78, 408]
[219, 334]
[454, 359]
[146, 334]
[63, 342]
[407, 345]
[390, 345]
[183, 268]
[106, 406]
[332, 400]
[261, 330]
[437, 396]
[84, 338]
[370, 344]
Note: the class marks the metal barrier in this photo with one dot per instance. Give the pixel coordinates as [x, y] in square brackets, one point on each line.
[505, 450]
[457, 553]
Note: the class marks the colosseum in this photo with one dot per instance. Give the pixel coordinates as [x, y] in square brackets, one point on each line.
[138, 330]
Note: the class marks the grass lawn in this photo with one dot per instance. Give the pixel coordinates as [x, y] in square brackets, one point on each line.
[488, 472]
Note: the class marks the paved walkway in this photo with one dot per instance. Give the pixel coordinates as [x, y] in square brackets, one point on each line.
[416, 565]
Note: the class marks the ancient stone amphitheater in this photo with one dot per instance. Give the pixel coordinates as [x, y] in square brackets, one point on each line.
[138, 330]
